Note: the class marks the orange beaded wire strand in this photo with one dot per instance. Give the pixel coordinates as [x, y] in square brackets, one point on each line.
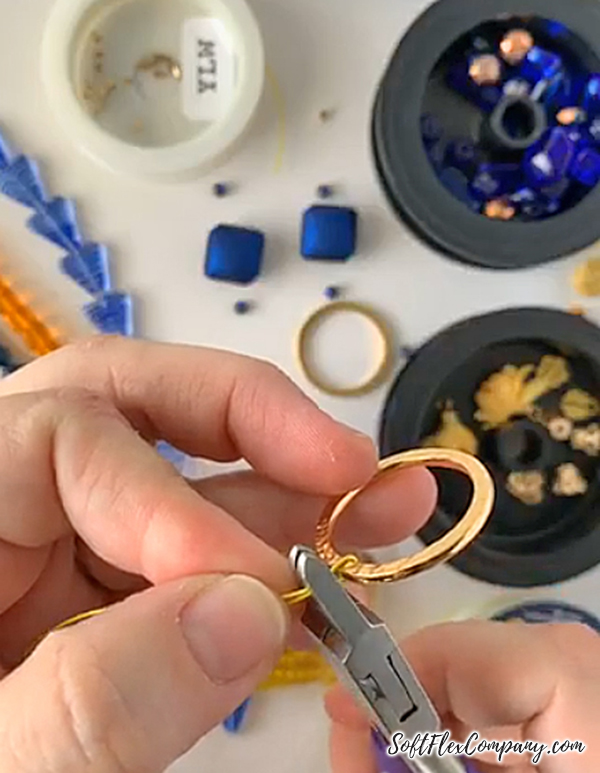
[25, 323]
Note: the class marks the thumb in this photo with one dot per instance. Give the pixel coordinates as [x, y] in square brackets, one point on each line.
[135, 688]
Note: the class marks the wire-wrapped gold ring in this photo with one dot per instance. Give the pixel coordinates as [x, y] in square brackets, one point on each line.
[444, 549]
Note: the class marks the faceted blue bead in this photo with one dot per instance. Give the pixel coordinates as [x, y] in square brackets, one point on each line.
[540, 65]
[485, 97]
[234, 254]
[233, 724]
[548, 162]
[493, 180]
[57, 222]
[586, 167]
[112, 314]
[5, 154]
[537, 204]
[88, 267]
[22, 182]
[431, 130]
[591, 96]
[329, 233]
[462, 154]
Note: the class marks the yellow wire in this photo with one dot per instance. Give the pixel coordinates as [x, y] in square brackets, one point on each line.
[303, 594]
[281, 122]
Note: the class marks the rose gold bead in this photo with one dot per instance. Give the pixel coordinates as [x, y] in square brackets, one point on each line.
[499, 210]
[485, 70]
[570, 115]
[515, 45]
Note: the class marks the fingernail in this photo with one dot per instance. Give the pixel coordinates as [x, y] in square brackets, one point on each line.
[234, 627]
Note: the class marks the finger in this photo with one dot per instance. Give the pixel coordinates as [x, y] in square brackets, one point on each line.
[351, 750]
[389, 511]
[213, 404]
[477, 672]
[95, 697]
[96, 476]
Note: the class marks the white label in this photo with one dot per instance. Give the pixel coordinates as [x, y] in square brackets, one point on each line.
[208, 70]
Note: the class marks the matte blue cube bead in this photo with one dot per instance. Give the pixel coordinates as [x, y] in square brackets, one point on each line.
[234, 254]
[329, 233]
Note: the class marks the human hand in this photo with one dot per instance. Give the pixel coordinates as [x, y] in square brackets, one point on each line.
[91, 516]
[506, 681]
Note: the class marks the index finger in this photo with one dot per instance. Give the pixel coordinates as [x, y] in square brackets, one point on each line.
[214, 404]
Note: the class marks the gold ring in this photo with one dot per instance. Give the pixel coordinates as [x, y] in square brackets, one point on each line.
[444, 549]
[384, 335]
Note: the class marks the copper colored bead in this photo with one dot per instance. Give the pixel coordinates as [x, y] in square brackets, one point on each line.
[485, 70]
[499, 210]
[570, 115]
[515, 46]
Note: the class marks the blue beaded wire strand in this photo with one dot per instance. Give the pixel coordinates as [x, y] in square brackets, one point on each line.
[55, 220]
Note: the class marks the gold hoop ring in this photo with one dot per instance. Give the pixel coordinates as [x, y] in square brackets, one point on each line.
[384, 335]
[447, 547]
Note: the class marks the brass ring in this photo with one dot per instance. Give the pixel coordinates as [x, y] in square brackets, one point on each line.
[382, 367]
[444, 549]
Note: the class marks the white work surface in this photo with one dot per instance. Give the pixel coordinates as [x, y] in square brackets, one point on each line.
[324, 54]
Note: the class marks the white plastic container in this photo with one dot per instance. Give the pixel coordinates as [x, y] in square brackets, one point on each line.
[160, 89]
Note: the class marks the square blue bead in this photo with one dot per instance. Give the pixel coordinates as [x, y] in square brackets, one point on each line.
[329, 233]
[234, 254]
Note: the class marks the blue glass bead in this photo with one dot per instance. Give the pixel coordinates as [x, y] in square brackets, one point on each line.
[536, 204]
[242, 307]
[493, 180]
[332, 293]
[485, 97]
[586, 167]
[540, 65]
[568, 92]
[461, 154]
[88, 267]
[5, 154]
[234, 254]
[431, 130]
[548, 162]
[233, 724]
[325, 191]
[112, 314]
[591, 96]
[221, 189]
[329, 233]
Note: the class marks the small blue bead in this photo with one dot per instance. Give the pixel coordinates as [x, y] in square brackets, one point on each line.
[242, 307]
[329, 233]
[234, 254]
[332, 293]
[221, 189]
[325, 191]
